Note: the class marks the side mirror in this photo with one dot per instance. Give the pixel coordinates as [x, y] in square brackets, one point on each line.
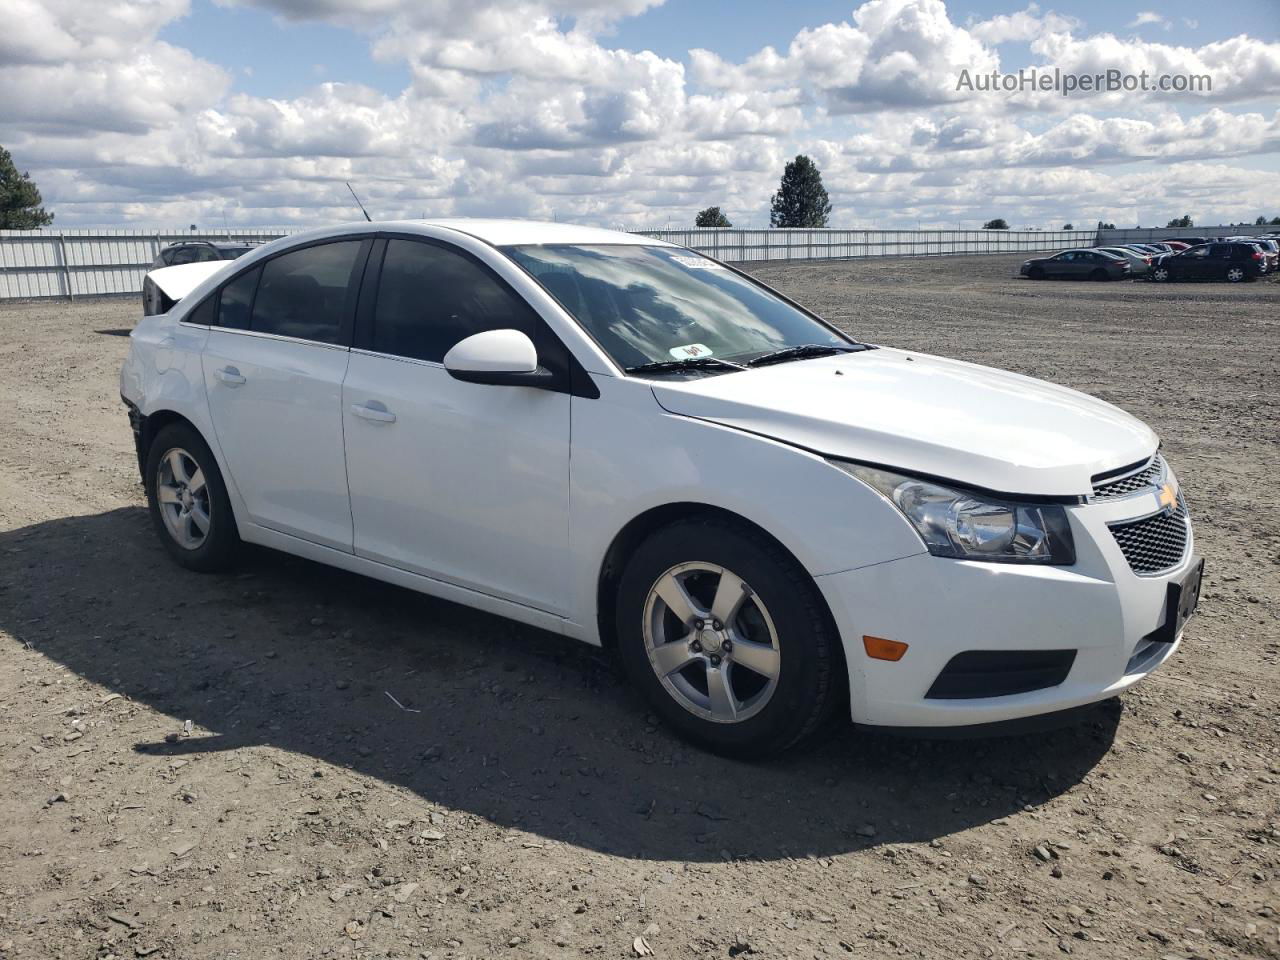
[499, 357]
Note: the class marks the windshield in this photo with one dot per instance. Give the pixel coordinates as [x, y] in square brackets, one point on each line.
[647, 305]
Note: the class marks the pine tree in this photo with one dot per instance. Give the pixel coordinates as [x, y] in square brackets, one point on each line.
[20, 201]
[711, 217]
[801, 200]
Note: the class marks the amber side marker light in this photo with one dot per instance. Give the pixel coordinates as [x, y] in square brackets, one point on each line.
[878, 648]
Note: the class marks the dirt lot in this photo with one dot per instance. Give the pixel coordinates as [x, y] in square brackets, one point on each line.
[214, 767]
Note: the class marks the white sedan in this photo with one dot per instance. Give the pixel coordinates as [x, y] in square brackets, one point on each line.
[629, 443]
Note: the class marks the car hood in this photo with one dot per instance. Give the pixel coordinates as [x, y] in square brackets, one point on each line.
[949, 419]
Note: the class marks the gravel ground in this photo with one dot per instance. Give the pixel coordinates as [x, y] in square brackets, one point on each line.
[196, 766]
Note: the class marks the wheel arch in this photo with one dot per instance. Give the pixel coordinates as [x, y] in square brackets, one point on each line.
[152, 423]
[640, 527]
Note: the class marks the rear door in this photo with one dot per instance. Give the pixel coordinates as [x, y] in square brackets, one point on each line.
[462, 482]
[1219, 259]
[273, 369]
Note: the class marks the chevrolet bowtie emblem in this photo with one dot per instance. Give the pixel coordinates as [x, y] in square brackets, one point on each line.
[1168, 496]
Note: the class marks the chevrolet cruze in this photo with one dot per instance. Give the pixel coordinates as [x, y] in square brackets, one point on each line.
[629, 443]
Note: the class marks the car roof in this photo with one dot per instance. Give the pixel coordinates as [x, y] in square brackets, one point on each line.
[508, 232]
[491, 231]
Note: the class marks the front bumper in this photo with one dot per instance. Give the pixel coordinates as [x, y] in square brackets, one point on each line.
[137, 424]
[1098, 608]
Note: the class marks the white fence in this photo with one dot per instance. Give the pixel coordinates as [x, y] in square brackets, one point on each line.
[752, 246]
[1143, 234]
[92, 263]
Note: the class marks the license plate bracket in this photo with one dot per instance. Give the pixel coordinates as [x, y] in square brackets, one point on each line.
[1181, 601]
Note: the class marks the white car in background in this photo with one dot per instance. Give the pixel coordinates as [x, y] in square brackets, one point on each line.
[629, 443]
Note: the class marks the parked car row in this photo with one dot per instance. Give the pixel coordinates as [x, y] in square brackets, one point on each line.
[1233, 259]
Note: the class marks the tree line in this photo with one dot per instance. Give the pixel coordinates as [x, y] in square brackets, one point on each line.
[801, 201]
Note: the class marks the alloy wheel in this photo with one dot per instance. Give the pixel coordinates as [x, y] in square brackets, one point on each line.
[1235, 274]
[711, 642]
[183, 497]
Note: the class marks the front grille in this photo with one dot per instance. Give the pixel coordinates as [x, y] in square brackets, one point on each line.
[1150, 475]
[1155, 543]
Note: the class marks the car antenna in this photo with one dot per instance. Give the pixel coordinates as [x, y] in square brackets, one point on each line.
[358, 203]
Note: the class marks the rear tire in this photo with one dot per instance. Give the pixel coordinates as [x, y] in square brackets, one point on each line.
[188, 500]
[751, 685]
[1236, 274]
[1099, 275]
[1161, 274]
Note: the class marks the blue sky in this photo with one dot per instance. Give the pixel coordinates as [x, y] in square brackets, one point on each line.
[635, 112]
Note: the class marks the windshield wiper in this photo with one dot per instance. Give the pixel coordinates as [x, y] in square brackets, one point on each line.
[803, 352]
[689, 363]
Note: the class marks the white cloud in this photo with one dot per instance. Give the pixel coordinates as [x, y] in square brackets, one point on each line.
[1150, 18]
[1021, 27]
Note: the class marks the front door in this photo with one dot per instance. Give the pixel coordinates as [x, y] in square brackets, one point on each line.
[462, 482]
[1196, 263]
[273, 369]
[1070, 264]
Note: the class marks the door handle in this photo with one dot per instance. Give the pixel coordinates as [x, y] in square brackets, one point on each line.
[374, 411]
[230, 376]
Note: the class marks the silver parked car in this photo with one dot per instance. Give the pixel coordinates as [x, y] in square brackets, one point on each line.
[1139, 263]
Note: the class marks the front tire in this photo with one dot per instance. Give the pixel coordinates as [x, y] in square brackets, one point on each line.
[1036, 273]
[188, 500]
[727, 638]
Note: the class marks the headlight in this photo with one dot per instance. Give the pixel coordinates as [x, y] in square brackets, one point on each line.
[970, 526]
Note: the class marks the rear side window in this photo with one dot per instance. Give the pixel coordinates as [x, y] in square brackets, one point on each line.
[204, 314]
[307, 293]
[236, 299]
[182, 255]
[429, 298]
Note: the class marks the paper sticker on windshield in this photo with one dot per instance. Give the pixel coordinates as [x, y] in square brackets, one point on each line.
[697, 263]
[690, 351]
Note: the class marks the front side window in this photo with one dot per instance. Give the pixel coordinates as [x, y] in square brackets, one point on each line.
[306, 294]
[648, 304]
[182, 255]
[430, 298]
[236, 299]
